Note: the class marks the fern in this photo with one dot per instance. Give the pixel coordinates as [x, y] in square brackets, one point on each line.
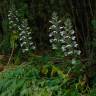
[26, 81]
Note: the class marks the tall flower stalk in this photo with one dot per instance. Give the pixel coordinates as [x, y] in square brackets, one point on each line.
[13, 19]
[20, 31]
[70, 46]
[63, 38]
[13, 22]
[55, 32]
[25, 37]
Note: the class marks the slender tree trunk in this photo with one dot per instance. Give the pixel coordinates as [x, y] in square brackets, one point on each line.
[82, 14]
[1, 29]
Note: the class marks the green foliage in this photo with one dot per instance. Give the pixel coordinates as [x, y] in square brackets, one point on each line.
[13, 39]
[93, 22]
[43, 75]
[35, 80]
[93, 92]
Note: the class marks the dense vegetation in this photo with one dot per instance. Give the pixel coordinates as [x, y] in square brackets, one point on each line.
[47, 48]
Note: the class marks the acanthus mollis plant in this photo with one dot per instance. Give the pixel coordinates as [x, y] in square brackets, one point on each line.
[13, 22]
[63, 38]
[56, 29]
[13, 19]
[70, 47]
[25, 37]
[20, 33]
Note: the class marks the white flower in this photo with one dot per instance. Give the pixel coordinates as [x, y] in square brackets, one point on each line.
[54, 31]
[54, 39]
[33, 47]
[65, 53]
[9, 18]
[24, 42]
[73, 32]
[26, 49]
[16, 11]
[71, 52]
[19, 28]
[74, 42]
[23, 32]
[30, 38]
[53, 26]
[31, 43]
[10, 22]
[59, 21]
[8, 15]
[62, 33]
[23, 37]
[17, 19]
[21, 44]
[62, 40]
[54, 46]
[51, 40]
[28, 28]
[50, 21]
[9, 11]
[67, 37]
[61, 27]
[20, 34]
[63, 48]
[53, 18]
[73, 61]
[50, 28]
[50, 35]
[68, 46]
[78, 52]
[76, 45]
[29, 33]
[73, 37]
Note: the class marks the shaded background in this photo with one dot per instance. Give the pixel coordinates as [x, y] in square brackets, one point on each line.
[39, 12]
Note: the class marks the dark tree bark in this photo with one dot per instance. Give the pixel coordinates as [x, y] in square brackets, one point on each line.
[38, 19]
[82, 14]
[1, 29]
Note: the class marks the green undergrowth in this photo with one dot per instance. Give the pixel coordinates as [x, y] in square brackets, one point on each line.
[31, 81]
[36, 80]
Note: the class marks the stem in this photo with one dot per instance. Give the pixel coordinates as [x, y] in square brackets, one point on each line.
[10, 56]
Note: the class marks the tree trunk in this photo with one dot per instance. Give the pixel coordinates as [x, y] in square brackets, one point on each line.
[1, 29]
[82, 14]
